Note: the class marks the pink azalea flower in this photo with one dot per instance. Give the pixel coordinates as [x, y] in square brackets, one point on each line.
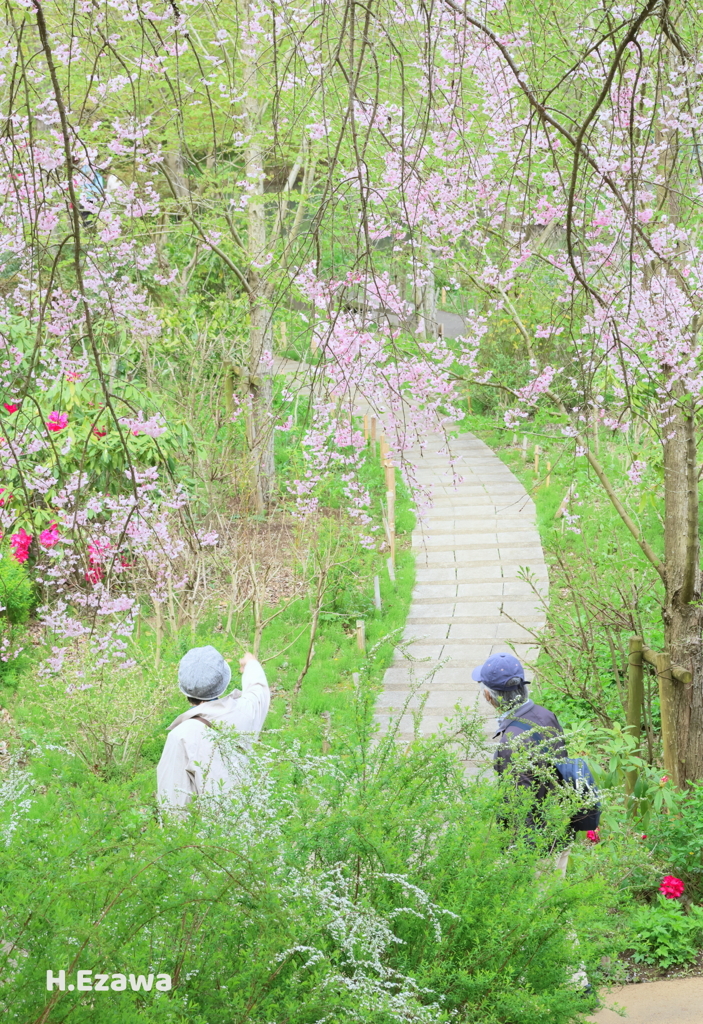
[671, 887]
[593, 835]
[10, 406]
[57, 421]
[49, 538]
[19, 542]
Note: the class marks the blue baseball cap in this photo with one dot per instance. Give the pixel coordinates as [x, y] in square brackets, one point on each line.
[497, 671]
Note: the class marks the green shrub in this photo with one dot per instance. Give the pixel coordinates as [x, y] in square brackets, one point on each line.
[17, 595]
[665, 935]
[369, 885]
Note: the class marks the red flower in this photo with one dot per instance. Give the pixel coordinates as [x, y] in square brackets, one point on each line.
[593, 835]
[49, 538]
[57, 421]
[19, 542]
[98, 432]
[11, 407]
[671, 887]
[664, 778]
[643, 836]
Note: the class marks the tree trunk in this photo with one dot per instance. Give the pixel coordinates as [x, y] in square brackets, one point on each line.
[260, 326]
[683, 619]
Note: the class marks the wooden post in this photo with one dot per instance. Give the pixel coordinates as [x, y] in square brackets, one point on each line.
[361, 635]
[524, 447]
[635, 698]
[444, 297]
[536, 458]
[514, 440]
[284, 340]
[377, 593]
[666, 703]
[468, 398]
[390, 501]
[440, 330]
[373, 435]
[366, 428]
[390, 476]
[549, 472]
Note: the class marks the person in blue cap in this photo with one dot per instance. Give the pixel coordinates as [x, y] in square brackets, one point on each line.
[524, 723]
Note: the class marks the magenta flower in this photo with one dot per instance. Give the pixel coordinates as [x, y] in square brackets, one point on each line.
[57, 421]
[19, 542]
[593, 835]
[10, 406]
[49, 538]
[671, 887]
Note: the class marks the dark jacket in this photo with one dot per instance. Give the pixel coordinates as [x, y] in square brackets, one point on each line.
[534, 726]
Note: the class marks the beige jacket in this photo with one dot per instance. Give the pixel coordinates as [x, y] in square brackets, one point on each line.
[194, 761]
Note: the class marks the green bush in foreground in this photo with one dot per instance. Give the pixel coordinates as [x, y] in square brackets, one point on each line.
[373, 885]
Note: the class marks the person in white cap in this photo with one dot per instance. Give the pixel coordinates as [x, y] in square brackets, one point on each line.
[193, 762]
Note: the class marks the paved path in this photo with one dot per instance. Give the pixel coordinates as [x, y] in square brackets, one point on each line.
[476, 537]
[674, 1001]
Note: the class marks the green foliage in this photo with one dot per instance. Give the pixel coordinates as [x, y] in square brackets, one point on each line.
[665, 935]
[678, 838]
[372, 884]
[17, 593]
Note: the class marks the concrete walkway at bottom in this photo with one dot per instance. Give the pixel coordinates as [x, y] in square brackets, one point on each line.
[469, 601]
[673, 1001]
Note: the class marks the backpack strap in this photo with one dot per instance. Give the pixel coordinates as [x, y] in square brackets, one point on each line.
[202, 718]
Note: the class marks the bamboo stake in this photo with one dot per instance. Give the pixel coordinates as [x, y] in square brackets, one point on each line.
[549, 473]
[444, 296]
[366, 428]
[524, 447]
[537, 450]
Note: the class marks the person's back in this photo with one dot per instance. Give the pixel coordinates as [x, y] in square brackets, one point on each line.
[530, 737]
[207, 747]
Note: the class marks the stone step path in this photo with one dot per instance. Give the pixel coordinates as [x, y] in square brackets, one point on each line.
[476, 537]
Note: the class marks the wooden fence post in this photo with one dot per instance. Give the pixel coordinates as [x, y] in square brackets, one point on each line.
[635, 698]
[537, 450]
[666, 703]
[549, 473]
[524, 447]
[361, 635]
